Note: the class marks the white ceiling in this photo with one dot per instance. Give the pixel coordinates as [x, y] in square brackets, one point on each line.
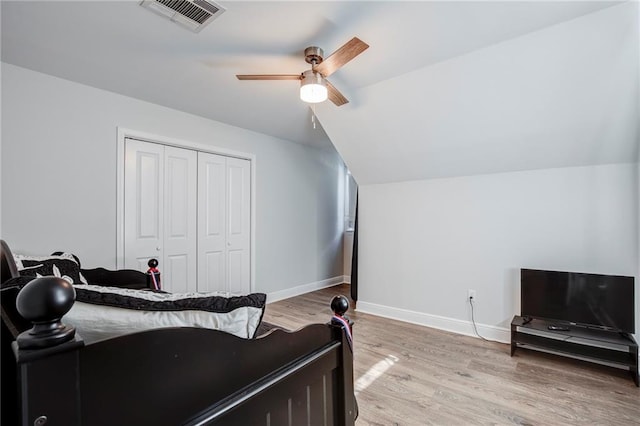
[564, 96]
[124, 48]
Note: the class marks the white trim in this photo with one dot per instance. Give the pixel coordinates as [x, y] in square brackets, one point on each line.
[346, 279]
[453, 325]
[252, 235]
[180, 143]
[303, 289]
[123, 133]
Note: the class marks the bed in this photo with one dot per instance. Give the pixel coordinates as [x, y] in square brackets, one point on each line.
[173, 376]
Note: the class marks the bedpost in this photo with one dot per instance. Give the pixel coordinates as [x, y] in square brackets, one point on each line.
[153, 275]
[43, 302]
[343, 326]
[47, 355]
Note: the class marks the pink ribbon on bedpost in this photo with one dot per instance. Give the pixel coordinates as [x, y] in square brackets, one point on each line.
[153, 272]
[347, 328]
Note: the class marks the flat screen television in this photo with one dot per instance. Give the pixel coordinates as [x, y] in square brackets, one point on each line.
[590, 300]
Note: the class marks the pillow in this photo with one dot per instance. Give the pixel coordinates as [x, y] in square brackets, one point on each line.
[104, 312]
[63, 265]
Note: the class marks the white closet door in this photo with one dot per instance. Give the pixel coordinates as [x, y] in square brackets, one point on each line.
[143, 204]
[160, 212]
[192, 211]
[212, 272]
[238, 225]
[180, 239]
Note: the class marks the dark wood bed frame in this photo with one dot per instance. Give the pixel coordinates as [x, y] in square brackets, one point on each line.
[177, 376]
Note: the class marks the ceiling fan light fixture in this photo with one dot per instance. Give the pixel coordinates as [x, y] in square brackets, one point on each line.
[313, 87]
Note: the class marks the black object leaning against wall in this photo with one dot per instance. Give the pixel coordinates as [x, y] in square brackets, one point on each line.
[354, 258]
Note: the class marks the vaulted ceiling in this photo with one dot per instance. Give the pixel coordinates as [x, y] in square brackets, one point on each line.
[446, 88]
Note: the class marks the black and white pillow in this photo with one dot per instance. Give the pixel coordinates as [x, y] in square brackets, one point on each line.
[104, 312]
[63, 265]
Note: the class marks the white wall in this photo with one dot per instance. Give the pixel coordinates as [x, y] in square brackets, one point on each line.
[59, 178]
[424, 243]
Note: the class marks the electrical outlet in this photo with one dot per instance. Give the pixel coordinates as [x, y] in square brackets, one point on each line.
[471, 294]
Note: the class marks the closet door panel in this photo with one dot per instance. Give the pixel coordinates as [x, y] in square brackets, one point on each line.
[236, 266]
[149, 191]
[176, 268]
[212, 273]
[238, 224]
[143, 203]
[180, 237]
[215, 273]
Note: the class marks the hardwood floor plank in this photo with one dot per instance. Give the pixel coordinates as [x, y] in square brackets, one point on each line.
[407, 374]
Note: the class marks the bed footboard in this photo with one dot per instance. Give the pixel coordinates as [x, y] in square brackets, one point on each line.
[191, 376]
[311, 390]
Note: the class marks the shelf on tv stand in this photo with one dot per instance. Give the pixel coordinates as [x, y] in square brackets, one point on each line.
[604, 347]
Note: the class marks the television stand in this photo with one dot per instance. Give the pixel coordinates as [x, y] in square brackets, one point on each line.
[614, 349]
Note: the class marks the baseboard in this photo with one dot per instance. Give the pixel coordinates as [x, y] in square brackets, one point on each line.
[303, 289]
[346, 279]
[453, 325]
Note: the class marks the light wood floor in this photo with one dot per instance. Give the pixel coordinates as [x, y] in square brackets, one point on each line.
[411, 375]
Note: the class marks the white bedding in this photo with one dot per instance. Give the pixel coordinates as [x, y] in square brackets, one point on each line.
[97, 320]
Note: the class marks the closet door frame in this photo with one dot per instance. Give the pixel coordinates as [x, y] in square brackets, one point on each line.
[123, 133]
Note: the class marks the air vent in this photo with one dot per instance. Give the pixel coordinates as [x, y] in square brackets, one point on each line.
[191, 14]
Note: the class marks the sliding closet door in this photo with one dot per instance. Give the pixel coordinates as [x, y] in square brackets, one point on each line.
[224, 224]
[143, 203]
[238, 224]
[160, 211]
[180, 238]
[192, 211]
[212, 272]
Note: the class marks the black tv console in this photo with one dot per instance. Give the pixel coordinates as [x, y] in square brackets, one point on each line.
[603, 347]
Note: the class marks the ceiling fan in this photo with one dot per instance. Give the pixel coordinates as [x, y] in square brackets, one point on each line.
[314, 86]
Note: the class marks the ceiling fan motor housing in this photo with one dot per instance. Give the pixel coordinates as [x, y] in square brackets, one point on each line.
[313, 55]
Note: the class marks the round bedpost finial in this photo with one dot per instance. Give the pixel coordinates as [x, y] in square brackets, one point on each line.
[44, 301]
[153, 275]
[339, 305]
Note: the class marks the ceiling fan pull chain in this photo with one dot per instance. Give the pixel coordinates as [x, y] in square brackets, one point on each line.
[313, 115]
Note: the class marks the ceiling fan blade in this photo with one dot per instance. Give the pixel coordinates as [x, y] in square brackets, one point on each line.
[335, 96]
[347, 52]
[269, 76]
